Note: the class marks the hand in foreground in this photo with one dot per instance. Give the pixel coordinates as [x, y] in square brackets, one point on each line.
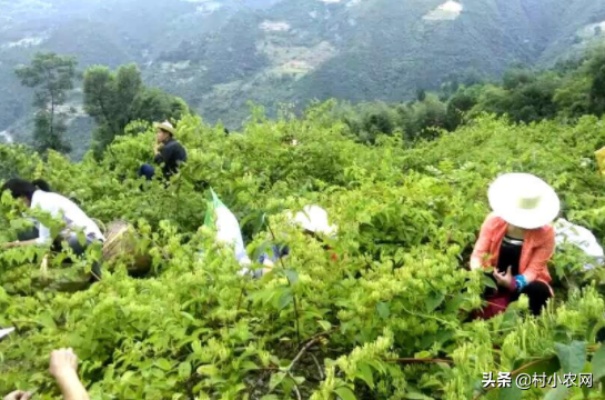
[504, 279]
[18, 395]
[9, 245]
[63, 367]
[63, 362]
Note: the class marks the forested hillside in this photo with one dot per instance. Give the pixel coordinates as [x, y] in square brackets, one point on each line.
[218, 55]
[386, 319]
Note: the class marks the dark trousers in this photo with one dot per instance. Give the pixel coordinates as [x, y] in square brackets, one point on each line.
[146, 170]
[72, 242]
[537, 292]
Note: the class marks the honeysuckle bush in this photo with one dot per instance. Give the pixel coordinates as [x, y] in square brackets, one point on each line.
[386, 320]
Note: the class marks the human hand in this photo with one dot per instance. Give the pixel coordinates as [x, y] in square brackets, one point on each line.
[63, 362]
[475, 264]
[18, 395]
[9, 245]
[504, 279]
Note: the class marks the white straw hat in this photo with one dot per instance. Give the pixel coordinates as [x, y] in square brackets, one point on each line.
[524, 200]
[315, 219]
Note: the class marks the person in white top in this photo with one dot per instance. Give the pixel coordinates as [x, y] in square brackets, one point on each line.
[57, 206]
[566, 232]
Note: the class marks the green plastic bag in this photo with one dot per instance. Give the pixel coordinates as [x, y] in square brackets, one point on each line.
[213, 203]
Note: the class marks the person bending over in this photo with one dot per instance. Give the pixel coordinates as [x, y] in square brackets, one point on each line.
[517, 240]
[57, 206]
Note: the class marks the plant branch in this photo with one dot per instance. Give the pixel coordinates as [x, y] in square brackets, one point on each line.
[321, 374]
[302, 351]
[294, 299]
[420, 360]
[295, 386]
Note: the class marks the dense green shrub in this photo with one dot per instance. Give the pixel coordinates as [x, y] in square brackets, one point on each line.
[385, 321]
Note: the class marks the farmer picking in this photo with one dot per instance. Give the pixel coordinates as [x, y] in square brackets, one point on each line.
[517, 241]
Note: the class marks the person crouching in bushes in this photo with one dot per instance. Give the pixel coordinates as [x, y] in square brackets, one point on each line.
[517, 240]
[57, 206]
[314, 222]
[167, 151]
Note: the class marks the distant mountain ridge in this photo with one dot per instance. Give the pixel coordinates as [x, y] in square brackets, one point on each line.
[218, 54]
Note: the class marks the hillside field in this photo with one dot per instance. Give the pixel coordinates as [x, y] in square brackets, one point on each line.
[385, 321]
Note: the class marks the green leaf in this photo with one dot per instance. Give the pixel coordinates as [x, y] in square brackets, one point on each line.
[416, 396]
[423, 354]
[598, 363]
[292, 276]
[364, 373]
[489, 282]
[326, 325]
[196, 346]
[276, 379]
[383, 310]
[510, 393]
[163, 364]
[47, 321]
[558, 393]
[285, 299]
[126, 376]
[433, 301]
[249, 366]
[345, 393]
[547, 365]
[188, 316]
[572, 357]
[455, 303]
[184, 370]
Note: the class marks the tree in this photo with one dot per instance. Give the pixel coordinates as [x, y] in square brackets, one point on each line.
[116, 99]
[597, 92]
[420, 94]
[152, 104]
[53, 77]
[461, 102]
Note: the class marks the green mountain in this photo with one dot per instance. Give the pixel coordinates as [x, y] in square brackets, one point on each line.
[218, 54]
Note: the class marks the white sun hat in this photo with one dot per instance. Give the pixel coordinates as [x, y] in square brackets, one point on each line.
[524, 200]
[315, 219]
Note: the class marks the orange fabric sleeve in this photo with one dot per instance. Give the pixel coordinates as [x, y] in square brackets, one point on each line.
[482, 245]
[538, 264]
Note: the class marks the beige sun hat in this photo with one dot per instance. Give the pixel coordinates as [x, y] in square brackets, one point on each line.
[315, 219]
[524, 200]
[165, 126]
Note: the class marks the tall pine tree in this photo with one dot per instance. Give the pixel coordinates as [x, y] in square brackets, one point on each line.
[52, 76]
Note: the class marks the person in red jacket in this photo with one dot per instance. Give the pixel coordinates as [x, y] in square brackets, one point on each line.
[517, 240]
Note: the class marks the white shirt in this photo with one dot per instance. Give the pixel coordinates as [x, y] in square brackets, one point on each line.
[566, 232]
[59, 206]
